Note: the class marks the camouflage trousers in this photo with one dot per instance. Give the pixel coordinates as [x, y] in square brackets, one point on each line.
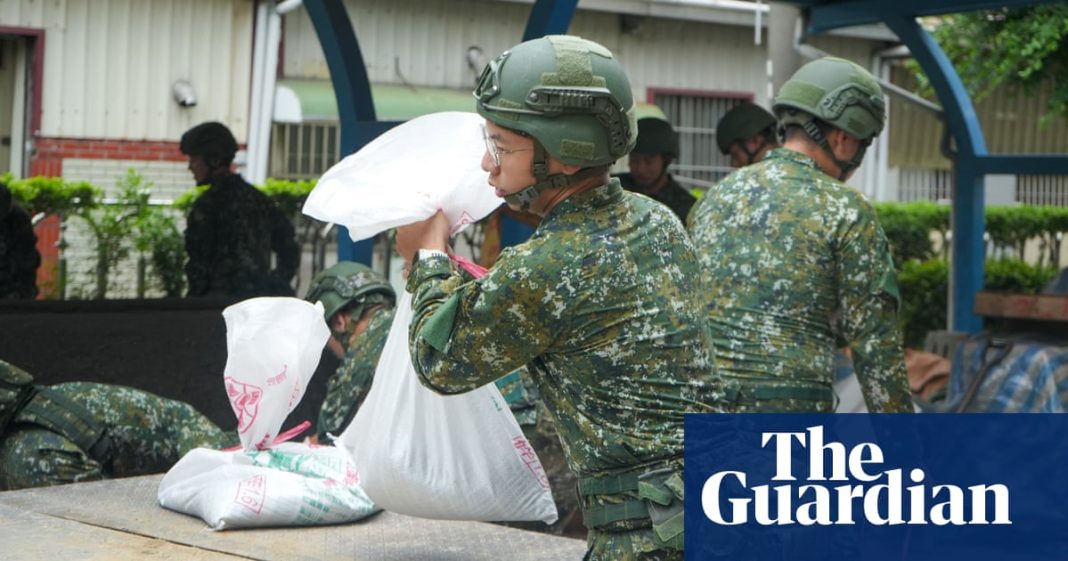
[633, 545]
[149, 434]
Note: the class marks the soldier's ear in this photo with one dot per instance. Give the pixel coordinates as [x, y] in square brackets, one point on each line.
[337, 322]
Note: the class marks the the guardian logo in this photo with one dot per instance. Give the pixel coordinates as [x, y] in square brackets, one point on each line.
[880, 498]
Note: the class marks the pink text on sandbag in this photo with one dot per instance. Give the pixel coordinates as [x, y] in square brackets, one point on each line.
[526, 453]
[251, 493]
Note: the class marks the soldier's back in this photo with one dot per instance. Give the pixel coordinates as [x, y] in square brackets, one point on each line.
[769, 236]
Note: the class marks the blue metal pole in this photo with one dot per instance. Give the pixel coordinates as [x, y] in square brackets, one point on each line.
[355, 105]
[549, 17]
[968, 248]
[966, 271]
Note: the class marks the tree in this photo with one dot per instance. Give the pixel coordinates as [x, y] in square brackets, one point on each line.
[1022, 48]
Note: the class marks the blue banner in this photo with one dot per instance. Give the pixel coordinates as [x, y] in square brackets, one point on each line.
[790, 487]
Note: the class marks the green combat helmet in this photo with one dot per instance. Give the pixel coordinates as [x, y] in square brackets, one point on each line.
[212, 140]
[742, 123]
[656, 136]
[839, 93]
[347, 283]
[567, 93]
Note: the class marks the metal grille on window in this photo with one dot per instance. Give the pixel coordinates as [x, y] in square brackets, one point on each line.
[694, 117]
[304, 150]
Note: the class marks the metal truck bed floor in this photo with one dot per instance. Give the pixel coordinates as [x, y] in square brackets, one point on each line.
[120, 519]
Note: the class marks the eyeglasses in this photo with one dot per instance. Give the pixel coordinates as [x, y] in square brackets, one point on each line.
[496, 151]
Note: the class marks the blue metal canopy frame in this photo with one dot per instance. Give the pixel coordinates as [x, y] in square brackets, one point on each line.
[355, 105]
[972, 161]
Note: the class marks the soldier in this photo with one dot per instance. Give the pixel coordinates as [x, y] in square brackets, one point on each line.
[603, 303]
[19, 257]
[746, 133]
[232, 227]
[796, 257]
[657, 147]
[81, 431]
[359, 307]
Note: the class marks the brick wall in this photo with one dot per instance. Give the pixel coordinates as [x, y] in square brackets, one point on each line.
[102, 163]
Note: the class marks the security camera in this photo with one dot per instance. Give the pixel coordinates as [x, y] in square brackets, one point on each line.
[183, 93]
[474, 59]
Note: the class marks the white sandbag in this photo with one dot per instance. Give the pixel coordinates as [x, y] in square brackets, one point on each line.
[405, 175]
[460, 457]
[273, 346]
[287, 485]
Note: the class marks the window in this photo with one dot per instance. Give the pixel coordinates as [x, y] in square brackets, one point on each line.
[304, 150]
[694, 116]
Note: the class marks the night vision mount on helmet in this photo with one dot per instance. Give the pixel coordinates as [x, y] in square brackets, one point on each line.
[837, 92]
[567, 93]
[347, 282]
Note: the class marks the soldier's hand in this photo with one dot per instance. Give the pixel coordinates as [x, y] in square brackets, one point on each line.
[432, 233]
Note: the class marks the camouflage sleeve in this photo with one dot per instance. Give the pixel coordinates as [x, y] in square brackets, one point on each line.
[467, 334]
[287, 251]
[199, 241]
[869, 302]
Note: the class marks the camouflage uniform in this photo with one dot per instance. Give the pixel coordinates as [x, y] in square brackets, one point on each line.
[672, 195]
[349, 385]
[603, 304]
[148, 434]
[19, 257]
[785, 248]
[231, 231]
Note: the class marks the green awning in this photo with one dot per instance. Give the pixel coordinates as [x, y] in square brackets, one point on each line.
[298, 101]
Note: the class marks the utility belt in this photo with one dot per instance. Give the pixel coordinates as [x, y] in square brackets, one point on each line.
[648, 497]
[751, 394]
[58, 413]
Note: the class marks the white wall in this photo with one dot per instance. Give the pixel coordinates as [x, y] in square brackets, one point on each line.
[109, 64]
[423, 42]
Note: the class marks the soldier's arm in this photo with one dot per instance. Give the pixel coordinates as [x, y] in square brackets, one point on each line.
[199, 240]
[287, 251]
[468, 334]
[869, 302]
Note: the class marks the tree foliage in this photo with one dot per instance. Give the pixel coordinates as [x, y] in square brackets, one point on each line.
[1022, 48]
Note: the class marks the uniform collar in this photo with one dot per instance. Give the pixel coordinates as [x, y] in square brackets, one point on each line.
[589, 199]
[793, 156]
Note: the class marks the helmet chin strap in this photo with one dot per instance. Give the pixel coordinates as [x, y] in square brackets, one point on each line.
[845, 166]
[540, 168]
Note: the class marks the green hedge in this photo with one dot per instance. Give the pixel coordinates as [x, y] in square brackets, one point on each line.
[133, 224]
[910, 226]
[925, 284]
[924, 276]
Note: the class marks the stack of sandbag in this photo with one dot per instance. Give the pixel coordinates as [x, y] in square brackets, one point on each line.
[273, 348]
